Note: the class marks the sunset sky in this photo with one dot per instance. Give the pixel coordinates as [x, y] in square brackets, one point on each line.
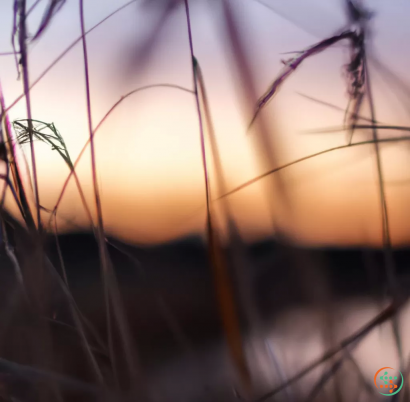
[148, 150]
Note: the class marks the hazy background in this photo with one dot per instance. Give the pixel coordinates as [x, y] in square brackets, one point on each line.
[148, 151]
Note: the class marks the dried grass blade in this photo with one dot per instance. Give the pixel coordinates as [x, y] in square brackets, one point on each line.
[292, 65]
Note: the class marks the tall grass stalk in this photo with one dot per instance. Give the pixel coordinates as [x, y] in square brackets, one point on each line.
[56, 141]
[112, 298]
[237, 261]
[223, 282]
[11, 164]
[22, 37]
[387, 245]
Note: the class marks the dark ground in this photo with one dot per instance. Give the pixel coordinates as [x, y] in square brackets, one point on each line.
[173, 283]
[168, 295]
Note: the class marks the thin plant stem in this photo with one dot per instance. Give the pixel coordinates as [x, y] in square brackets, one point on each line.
[295, 162]
[384, 212]
[7, 184]
[34, 5]
[110, 286]
[274, 359]
[75, 311]
[99, 226]
[325, 378]
[304, 158]
[385, 315]
[56, 141]
[292, 65]
[199, 112]
[360, 375]
[6, 161]
[12, 161]
[12, 256]
[292, 20]
[334, 107]
[234, 241]
[372, 127]
[67, 50]
[175, 327]
[387, 246]
[221, 276]
[141, 89]
[26, 84]
[34, 374]
[400, 84]
[60, 255]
